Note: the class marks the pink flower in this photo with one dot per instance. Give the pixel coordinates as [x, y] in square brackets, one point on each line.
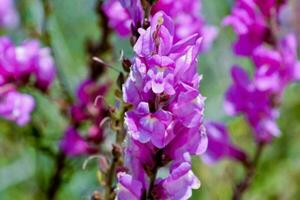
[16, 107]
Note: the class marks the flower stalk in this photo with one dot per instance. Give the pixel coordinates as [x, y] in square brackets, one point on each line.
[250, 169]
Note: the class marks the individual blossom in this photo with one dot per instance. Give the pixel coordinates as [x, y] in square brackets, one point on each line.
[73, 144]
[220, 145]
[163, 80]
[120, 22]
[135, 10]
[8, 14]
[15, 106]
[145, 126]
[179, 183]
[129, 15]
[129, 188]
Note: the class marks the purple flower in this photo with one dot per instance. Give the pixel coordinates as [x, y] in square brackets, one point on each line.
[244, 97]
[121, 21]
[89, 109]
[8, 14]
[161, 75]
[288, 48]
[73, 144]
[16, 107]
[189, 107]
[135, 10]
[158, 73]
[128, 188]
[165, 124]
[145, 126]
[90, 102]
[250, 26]
[130, 15]
[220, 146]
[158, 38]
[276, 69]
[186, 14]
[44, 69]
[191, 140]
[19, 63]
[179, 183]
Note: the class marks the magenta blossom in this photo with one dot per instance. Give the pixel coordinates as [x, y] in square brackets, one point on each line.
[179, 183]
[257, 106]
[220, 146]
[128, 188]
[276, 69]
[145, 126]
[250, 26]
[8, 14]
[129, 15]
[135, 10]
[73, 144]
[89, 109]
[161, 75]
[18, 66]
[121, 21]
[90, 102]
[19, 63]
[44, 69]
[16, 107]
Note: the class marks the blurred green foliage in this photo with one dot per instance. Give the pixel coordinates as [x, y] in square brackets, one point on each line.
[26, 163]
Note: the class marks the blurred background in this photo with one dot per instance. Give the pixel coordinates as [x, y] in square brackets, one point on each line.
[26, 165]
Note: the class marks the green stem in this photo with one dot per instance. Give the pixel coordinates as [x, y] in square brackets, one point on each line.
[242, 186]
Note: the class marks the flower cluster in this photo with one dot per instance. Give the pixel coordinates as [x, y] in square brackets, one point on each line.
[20, 65]
[89, 109]
[186, 15]
[165, 124]
[275, 61]
[8, 15]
